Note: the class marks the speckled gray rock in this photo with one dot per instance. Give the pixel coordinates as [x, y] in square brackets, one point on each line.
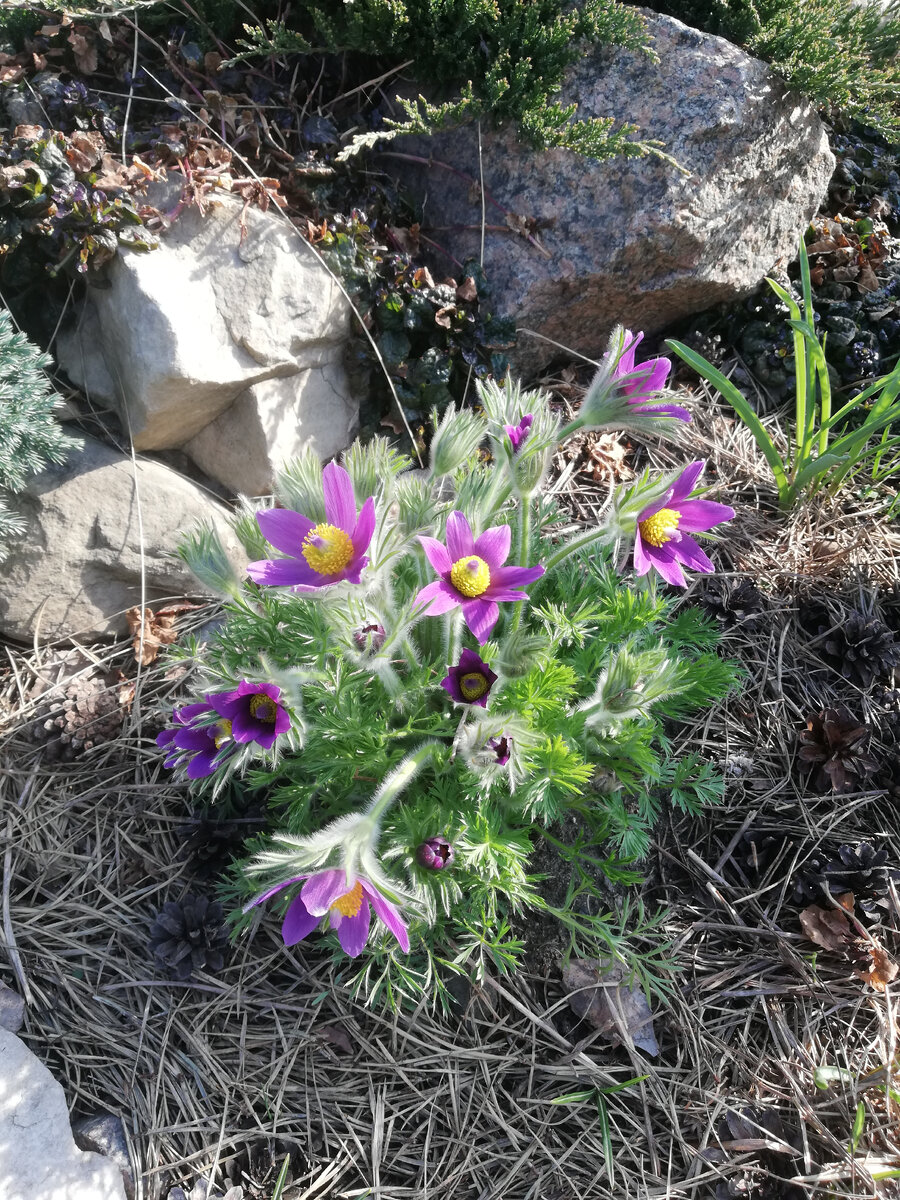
[91, 530]
[635, 240]
[179, 333]
[38, 1158]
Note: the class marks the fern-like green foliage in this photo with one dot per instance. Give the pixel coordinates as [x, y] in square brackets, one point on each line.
[839, 53]
[30, 437]
[498, 59]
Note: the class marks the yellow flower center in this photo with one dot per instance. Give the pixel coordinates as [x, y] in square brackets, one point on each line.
[263, 708]
[327, 549]
[471, 576]
[350, 903]
[658, 529]
[224, 733]
[473, 686]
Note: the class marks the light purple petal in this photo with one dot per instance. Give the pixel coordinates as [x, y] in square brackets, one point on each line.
[273, 891]
[284, 529]
[353, 932]
[187, 712]
[686, 482]
[365, 527]
[322, 889]
[437, 554]
[663, 558]
[513, 577]
[699, 515]
[655, 508]
[625, 365]
[340, 502]
[283, 572]
[390, 915]
[481, 616]
[655, 373]
[459, 537]
[693, 556]
[282, 720]
[642, 562]
[493, 546]
[442, 597]
[665, 410]
[298, 922]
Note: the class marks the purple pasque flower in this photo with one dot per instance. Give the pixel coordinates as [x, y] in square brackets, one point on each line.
[662, 537]
[199, 746]
[640, 392]
[254, 711]
[472, 575]
[348, 906]
[502, 748]
[470, 681]
[518, 433]
[435, 854]
[317, 555]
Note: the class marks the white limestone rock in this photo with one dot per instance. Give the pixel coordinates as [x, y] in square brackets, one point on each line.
[178, 333]
[38, 1156]
[274, 422]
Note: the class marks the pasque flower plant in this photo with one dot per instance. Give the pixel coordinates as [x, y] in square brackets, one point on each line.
[443, 643]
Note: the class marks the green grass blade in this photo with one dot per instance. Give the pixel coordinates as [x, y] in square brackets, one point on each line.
[708, 372]
[801, 376]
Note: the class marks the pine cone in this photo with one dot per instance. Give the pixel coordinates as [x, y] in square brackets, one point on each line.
[858, 869]
[859, 647]
[757, 851]
[833, 748]
[79, 715]
[211, 844]
[733, 602]
[189, 935]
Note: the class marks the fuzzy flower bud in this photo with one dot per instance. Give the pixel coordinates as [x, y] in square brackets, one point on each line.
[435, 854]
[369, 639]
[455, 440]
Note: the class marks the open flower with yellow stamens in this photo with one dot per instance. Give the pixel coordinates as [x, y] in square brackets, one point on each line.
[470, 681]
[346, 901]
[332, 551]
[472, 575]
[255, 712]
[662, 539]
[196, 744]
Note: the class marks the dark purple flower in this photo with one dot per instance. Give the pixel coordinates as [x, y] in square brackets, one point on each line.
[472, 575]
[501, 746]
[197, 745]
[518, 433]
[470, 681]
[662, 540]
[654, 374]
[332, 551]
[435, 854]
[369, 638]
[328, 894]
[254, 712]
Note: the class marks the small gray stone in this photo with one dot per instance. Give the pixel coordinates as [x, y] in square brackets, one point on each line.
[634, 241]
[105, 1134]
[38, 1158]
[12, 1009]
[95, 525]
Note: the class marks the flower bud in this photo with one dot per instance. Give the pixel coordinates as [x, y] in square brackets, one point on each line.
[502, 748]
[435, 854]
[455, 441]
[369, 638]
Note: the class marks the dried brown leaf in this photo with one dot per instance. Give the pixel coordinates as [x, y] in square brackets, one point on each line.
[827, 927]
[599, 996]
[467, 291]
[882, 969]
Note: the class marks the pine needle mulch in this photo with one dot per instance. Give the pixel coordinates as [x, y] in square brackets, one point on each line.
[223, 1077]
